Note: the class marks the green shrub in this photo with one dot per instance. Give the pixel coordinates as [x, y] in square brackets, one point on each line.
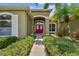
[65, 45]
[49, 42]
[20, 48]
[52, 50]
[49, 38]
[5, 41]
[77, 48]
[60, 46]
[64, 32]
[54, 35]
[71, 54]
[75, 34]
[12, 38]
[32, 36]
[67, 37]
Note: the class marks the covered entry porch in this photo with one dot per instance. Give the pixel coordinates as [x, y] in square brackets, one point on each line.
[39, 22]
[40, 25]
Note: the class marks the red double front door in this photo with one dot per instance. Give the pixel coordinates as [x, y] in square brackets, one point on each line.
[39, 28]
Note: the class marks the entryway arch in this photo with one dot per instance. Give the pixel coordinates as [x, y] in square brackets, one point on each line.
[39, 24]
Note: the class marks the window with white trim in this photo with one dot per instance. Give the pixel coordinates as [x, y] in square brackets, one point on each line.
[5, 25]
[52, 27]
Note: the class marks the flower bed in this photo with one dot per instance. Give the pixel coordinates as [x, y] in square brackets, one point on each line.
[20, 48]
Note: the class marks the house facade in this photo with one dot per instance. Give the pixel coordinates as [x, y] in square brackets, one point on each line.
[22, 21]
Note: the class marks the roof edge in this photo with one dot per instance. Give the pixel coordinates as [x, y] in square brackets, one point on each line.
[42, 10]
[13, 8]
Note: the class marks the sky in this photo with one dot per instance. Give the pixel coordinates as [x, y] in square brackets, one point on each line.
[31, 5]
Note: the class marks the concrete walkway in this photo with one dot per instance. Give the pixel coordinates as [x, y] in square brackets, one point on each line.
[38, 48]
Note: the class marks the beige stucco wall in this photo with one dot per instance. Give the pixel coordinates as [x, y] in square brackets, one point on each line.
[74, 25]
[43, 12]
[29, 25]
[25, 22]
[40, 13]
[47, 26]
[22, 22]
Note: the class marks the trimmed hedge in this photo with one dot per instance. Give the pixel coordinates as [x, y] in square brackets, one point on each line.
[20, 48]
[5, 41]
[49, 42]
[60, 46]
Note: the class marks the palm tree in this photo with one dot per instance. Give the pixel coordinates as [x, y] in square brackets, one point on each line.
[57, 13]
[61, 13]
[46, 5]
[74, 9]
[65, 12]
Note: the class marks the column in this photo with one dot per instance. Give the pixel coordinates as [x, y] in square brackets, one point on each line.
[47, 26]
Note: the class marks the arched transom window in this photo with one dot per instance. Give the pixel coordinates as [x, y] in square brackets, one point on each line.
[5, 24]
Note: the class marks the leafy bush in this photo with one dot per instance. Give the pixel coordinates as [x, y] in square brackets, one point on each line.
[67, 37]
[65, 45]
[5, 41]
[75, 34]
[71, 54]
[75, 52]
[52, 49]
[32, 36]
[49, 42]
[60, 46]
[64, 32]
[49, 38]
[20, 48]
[55, 36]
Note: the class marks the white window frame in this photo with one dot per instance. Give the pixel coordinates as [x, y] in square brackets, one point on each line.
[51, 28]
[2, 27]
[14, 24]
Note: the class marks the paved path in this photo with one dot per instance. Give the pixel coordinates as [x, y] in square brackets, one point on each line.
[38, 48]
